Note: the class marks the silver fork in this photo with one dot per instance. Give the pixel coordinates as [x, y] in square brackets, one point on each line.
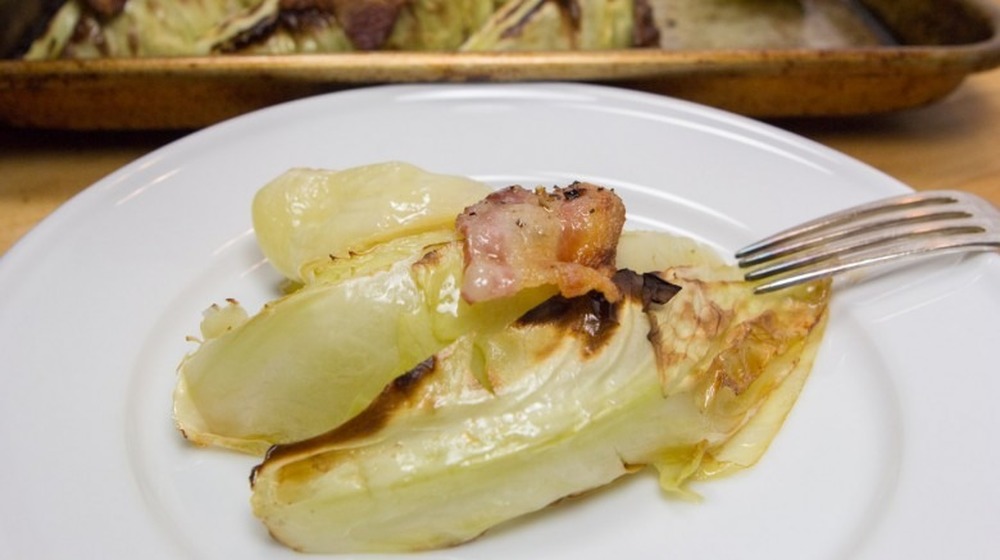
[892, 229]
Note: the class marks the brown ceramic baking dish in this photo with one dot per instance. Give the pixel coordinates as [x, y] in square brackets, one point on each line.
[829, 57]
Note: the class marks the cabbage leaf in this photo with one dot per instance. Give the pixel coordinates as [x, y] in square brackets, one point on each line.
[397, 417]
[316, 357]
[696, 387]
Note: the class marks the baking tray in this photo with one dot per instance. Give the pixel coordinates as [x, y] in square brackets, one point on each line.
[826, 58]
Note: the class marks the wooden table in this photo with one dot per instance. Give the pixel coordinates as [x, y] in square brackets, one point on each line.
[952, 144]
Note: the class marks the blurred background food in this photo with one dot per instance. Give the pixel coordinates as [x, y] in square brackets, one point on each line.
[46, 29]
[170, 64]
[125, 28]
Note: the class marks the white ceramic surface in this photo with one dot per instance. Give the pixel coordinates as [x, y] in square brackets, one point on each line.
[889, 453]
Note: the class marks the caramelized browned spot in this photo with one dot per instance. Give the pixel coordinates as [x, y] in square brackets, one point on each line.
[716, 339]
[647, 287]
[513, 31]
[367, 23]
[592, 218]
[368, 421]
[753, 347]
[430, 258]
[645, 33]
[591, 317]
[298, 4]
[257, 32]
[573, 10]
[107, 8]
[569, 10]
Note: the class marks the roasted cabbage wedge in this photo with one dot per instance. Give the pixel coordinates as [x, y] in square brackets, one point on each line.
[377, 269]
[541, 25]
[689, 373]
[396, 416]
[306, 217]
[148, 28]
[145, 28]
[314, 358]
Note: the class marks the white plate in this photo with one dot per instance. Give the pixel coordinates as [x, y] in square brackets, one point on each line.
[889, 453]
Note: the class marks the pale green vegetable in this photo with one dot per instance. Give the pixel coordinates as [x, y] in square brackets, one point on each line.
[375, 252]
[419, 25]
[303, 364]
[652, 251]
[58, 33]
[406, 419]
[306, 216]
[433, 25]
[207, 27]
[379, 267]
[150, 28]
[545, 25]
[313, 359]
[323, 35]
[576, 398]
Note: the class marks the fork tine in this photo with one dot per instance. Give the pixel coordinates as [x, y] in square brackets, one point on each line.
[891, 229]
[902, 249]
[865, 238]
[763, 249]
[884, 225]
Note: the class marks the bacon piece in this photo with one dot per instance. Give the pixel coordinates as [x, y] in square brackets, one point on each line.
[645, 32]
[516, 239]
[367, 23]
